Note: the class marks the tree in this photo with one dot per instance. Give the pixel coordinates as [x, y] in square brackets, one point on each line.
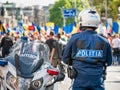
[112, 7]
[99, 5]
[56, 11]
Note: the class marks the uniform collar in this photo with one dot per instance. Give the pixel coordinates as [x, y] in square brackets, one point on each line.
[90, 31]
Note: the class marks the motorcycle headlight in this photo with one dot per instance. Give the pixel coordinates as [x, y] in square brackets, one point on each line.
[36, 84]
[11, 80]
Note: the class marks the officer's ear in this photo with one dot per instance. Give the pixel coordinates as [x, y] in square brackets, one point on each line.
[81, 27]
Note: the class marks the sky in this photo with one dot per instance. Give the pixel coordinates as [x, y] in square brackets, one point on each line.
[30, 2]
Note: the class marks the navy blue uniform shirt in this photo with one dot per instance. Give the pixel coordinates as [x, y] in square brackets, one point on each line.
[89, 52]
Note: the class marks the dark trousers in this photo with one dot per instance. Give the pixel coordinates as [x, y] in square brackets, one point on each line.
[4, 53]
[88, 82]
[116, 55]
[57, 62]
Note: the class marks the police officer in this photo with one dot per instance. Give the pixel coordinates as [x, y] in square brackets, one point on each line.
[89, 52]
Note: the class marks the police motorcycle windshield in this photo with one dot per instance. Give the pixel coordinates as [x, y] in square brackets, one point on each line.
[30, 48]
[30, 56]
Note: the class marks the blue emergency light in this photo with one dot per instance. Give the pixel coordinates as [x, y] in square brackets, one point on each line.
[24, 39]
[3, 63]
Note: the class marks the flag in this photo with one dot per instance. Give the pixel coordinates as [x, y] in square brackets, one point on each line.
[38, 28]
[74, 24]
[49, 26]
[68, 29]
[109, 25]
[75, 28]
[60, 30]
[21, 30]
[35, 26]
[20, 24]
[16, 30]
[119, 27]
[101, 30]
[2, 29]
[25, 27]
[56, 29]
[43, 31]
[115, 28]
[35, 33]
[31, 27]
[9, 30]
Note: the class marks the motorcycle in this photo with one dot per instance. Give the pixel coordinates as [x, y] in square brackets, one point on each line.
[27, 67]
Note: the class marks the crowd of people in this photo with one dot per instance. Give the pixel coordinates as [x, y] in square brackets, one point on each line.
[114, 41]
[56, 44]
[7, 40]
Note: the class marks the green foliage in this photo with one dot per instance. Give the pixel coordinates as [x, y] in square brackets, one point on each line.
[112, 7]
[56, 10]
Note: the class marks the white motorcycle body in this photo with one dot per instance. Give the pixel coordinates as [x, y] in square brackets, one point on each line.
[44, 77]
[4, 71]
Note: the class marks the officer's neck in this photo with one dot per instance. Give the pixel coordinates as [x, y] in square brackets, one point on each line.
[90, 29]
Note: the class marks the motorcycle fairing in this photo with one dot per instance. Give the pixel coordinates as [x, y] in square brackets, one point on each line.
[30, 58]
[27, 66]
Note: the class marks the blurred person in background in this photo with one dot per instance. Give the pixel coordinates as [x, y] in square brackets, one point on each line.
[50, 42]
[116, 49]
[109, 36]
[58, 48]
[6, 44]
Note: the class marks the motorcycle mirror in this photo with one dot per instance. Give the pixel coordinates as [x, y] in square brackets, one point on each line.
[60, 77]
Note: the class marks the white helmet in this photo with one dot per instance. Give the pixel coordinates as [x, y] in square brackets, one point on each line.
[89, 18]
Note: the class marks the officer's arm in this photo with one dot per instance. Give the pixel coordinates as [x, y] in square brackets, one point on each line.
[66, 54]
[109, 55]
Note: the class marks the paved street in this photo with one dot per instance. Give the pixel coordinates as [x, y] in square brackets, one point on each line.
[113, 78]
[112, 82]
